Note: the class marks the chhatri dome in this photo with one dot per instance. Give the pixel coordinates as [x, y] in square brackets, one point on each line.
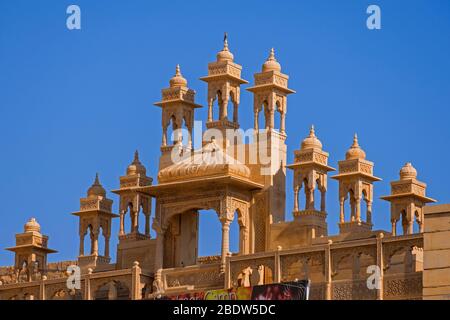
[32, 226]
[225, 54]
[136, 166]
[311, 141]
[177, 80]
[96, 189]
[408, 172]
[355, 151]
[271, 63]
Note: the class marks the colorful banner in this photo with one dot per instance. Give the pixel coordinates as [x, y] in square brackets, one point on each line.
[295, 290]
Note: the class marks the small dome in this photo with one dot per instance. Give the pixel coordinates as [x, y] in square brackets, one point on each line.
[96, 189]
[311, 141]
[177, 80]
[32, 225]
[408, 172]
[136, 166]
[225, 54]
[355, 152]
[271, 63]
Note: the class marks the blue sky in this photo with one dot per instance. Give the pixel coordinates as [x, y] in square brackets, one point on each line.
[73, 103]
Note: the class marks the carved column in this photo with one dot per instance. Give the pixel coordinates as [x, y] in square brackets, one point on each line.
[394, 227]
[147, 224]
[341, 211]
[164, 136]
[322, 200]
[94, 243]
[134, 221]
[283, 122]
[256, 121]
[82, 244]
[225, 242]
[328, 279]
[210, 110]
[380, 264]
[224, 109]
[358, 209]
[122, 223]
[271, 119]
[235, 112]
[369, 212]
[107, 245]
[296, 204]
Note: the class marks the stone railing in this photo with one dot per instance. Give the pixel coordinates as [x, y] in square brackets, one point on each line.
[133, 282]
[196, 277]
[403, 286]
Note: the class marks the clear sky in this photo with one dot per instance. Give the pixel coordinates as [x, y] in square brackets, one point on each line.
[73, 103]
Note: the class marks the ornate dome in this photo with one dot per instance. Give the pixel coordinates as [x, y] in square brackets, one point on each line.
[32, 226]
[271, 63]
[408, 172]
[225, 54]
[210, 161]
[136, 166]
[177, 80]
[96, 189]
[311, 141]
[355, 152]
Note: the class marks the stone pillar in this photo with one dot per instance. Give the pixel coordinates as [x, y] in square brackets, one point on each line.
[225, 242]
[369, 212]
[107, 245]
[224, 109]
[328, 270]
[81, 253]
[94, 245]
[322, 200]
[296, 204]
[235, 112]
[380, 264]
[164, 136]
[210, 110]
[341, 211]
[147, 224]
[358, 209]
[122, 223]
[394, 227]
[134, 222]
[283, 122]
[271, 119]
[255, 120]
[136, 293]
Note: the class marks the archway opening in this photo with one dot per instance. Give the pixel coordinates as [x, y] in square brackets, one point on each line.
[209, 233]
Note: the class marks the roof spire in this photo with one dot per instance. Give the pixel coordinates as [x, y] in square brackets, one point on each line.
[178, 71]
[136, 157]
[272, 55]
[312, 132]
[225, 41]
[355, 141]
[96, 181]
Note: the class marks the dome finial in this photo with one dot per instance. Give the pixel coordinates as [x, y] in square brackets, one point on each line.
[177, 71]
[136, 157]
[225, 41]
[312, 133]
[408, 172]
[355, 140]
[136, 166]
[272, 55]
[177, 80]
[96, 181]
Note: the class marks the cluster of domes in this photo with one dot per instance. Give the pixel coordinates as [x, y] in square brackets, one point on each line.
[32, 226]
[311, 141]
[408, 172]
[355, 151]
[136, 166]
[178, 80]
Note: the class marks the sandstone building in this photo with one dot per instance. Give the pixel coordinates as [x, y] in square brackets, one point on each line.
[412, 262]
